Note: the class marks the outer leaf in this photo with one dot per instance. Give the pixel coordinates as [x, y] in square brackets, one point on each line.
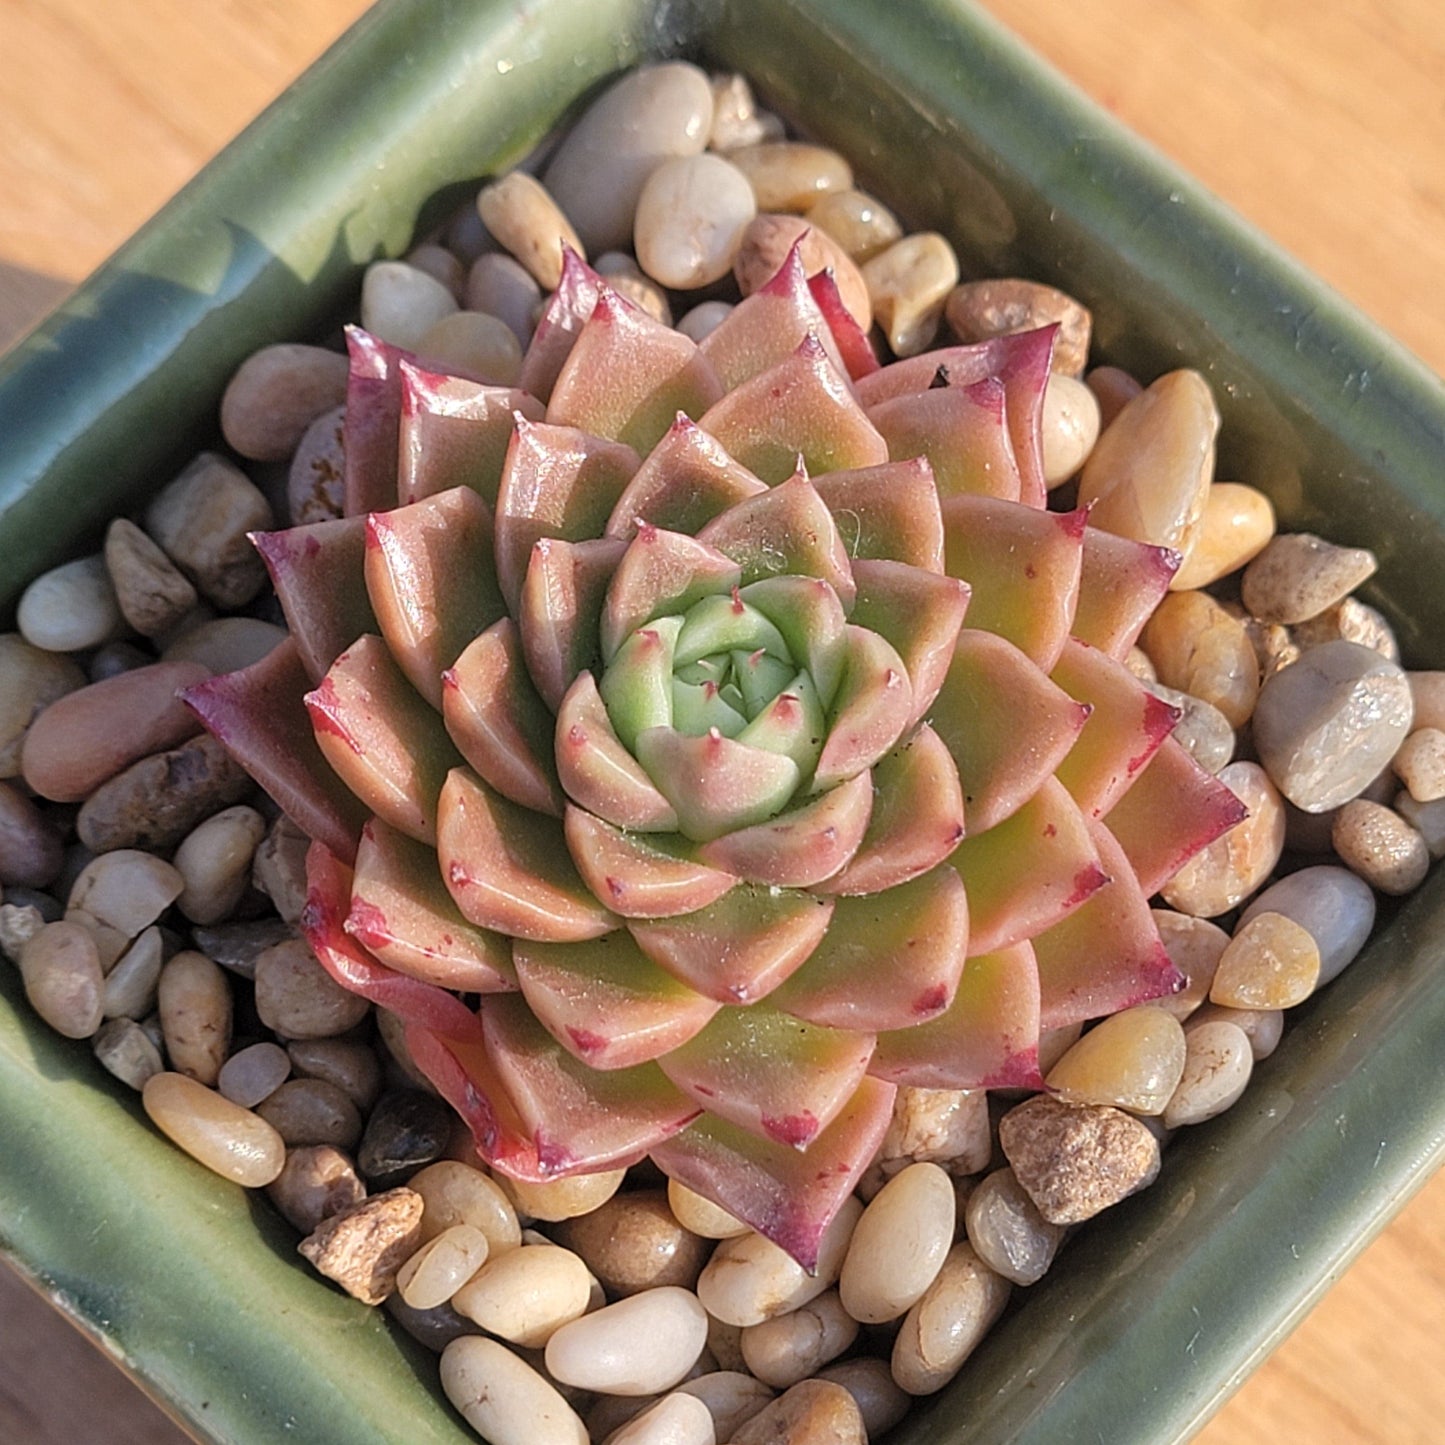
[562, 320]
[859, 358]
[561, 609]
[963, 431]
[373, 422]
[890, 512]
[1120, 585]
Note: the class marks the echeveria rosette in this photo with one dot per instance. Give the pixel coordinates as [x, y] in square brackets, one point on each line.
[735, 722]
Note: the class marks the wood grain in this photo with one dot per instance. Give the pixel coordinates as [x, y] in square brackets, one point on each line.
[1321, 120]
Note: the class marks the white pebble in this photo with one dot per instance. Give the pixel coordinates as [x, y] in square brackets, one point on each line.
[690, 220]
[525, 1295]
[400, 304]
[503, 1398]
[70, 608]
[1218, 1061]
[673, 1420]
[899, 1245]
[215, 861]
[642, 1345]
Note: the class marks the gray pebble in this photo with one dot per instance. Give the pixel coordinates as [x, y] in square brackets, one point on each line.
[1334, 906]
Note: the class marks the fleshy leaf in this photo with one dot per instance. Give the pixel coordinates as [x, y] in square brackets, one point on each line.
[871, 709]
[963, 431]
[769, 1073]
[889, 961]
[638, 876]
[859, 358]
[717, 625]
[455, 433]
[637, 687]
[812, 623]
[556, 482]
[890, 512]
[803, 406]
[561, 609]
[1023, 565]
[1026, 873]
[627, 376]
[508, 868]
[415, 558]
[373, 422]
[987, 1039]
[381, 738]
[562, 320]
[1007, 726]
[1120, 585]
[802, 847]
[740, 948]
[502, 728]
[606, 1002]
[402, 913]
[791, 724]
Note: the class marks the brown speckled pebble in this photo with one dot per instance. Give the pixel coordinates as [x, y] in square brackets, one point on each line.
[1349, 620]
[815, 1412]
[149, 589]
[1420, 764]
[978, 310]
[1298, 575]
[634, 1243]
[1379, 845]
[363, 1247]
[276, 393]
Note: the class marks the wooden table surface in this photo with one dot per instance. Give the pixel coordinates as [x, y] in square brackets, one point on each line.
[1321, 120]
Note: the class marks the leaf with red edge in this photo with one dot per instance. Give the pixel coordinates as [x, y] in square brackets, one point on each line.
[639, 875]
[1023, 565]
[502, 728]
[1023, 875]
[890, 512]
[987, 1039]
[1120, 585]
[381, 739]
[857, 352]
[1173, 811]
[561, 610]
[508, 868]
[607, 1003]
[788, 1197]
[562, 320]
[769, 1073]
[871, 709]
[1007, 726]
[455, 432]
[373, 422]
[740, 948]
[811, 621]
[320, 581]
[963, 431]
[402, 913]
[258, 716]
[1107, 955]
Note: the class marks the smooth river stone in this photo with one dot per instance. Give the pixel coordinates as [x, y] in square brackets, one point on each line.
[691, 217]
[1336, 907]
[1330, 723]
[656, 114]
[69, 608]
[641, 1345]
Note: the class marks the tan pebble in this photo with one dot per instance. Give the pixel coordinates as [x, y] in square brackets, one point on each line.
[899, 1245]
[1075, 1160]
[227, 1139]
[724, 1344]
[401, 304]
[502, 287]
[1349, 620]
[1236, 525]
[226, 644]
[30, 680]
[1299, 575]
[732, 1398]
[700, 1215]
[1131, 1060]
[765, 246]
[944, 1328]
[70, 607]
[1202, 730]
[279, 868]
[440, 264]
[1071, 425]
[941, 1126]
[127, 889]
[124, 1051]
[1225, 873]
[557, 1199]
[503, 1398]
[1271, 963]
[456, 1193]
[441, 1266]
[908, 285]
[633, 1242]
[1007, 1231]
[110, 943]
[813, 1412]
[1113, 388]
[791, 1347]
[316, 478]
[1273, 643]
[276, 393]
[1379, 845]
[214, 859]
[1420, 764]
[1427, 689]
[676, 1419]
[311, 1111]
[527, 222]
[1427, 819]
[704, 319]
[363, 1246]
[978, 310]
[736, 119]
[474, 344]
[642, 1345]
[60, 966]
[150, 591]
[195, 1007]
[691, 218]
[1264, 1028]
[791, 175]
[1194, 946]
[130, 986]
[862, 225]
[525, 1295]
[1217, 1066]
[1197, 647]
[316, 1182]
[253, 1073]
[297, 998]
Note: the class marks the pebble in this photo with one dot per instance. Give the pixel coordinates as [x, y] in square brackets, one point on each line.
[70, 607]
[870, 1382]
[277, 392]
[947, 1324]
[674, 1420]
[790, 175]
[298, 999]
[311, 1111]
[1419, 763]
[1353, 621]
[704, 319]
[525, 1295]
[791, 1347]
[1132, 1059]
[1236, 525]
[124, 1050]
[228, 1140]
[1274, 645]
[736, 119]
[115, 658]
[202, 519]
[1217, 1066]
[1197, 647]
[441, 264]
[315, 1183]
[633, 1242]
[503, 1398]
[278, 868]
[433, 1328]
[442, 1266]
[765, 246]
[941, 1126]
[1225, 873]
[400, 304]
[1194, 946]
[215, 861]
[1071, 426]
[19, 923]
[1428, 819]
[1075, 1160]
[237, 946]
[226, 644]
[364, 1245]
[455, 1193]
[407, 1130]
[195, 1007]
[1378, 844]
[110, 942]
[899, 1245]
[861, 224]
[131, 985]
[750, 1279]
[978, 310]
[908, 285]
[1264, 1028]
[1007, 1231]
[732, 1398]
[30, 680]
[691, 218]
[1298, 575]
[349, 1064]
[1114, 389]
[60, 966]
[1427, 690]
[316, 478]
[813, 1412]
[253, 1073]
[1149, 475]
[526, 221]
[1202, 730]
[553, 1200]
[700, 1215]
[149, 589]
[126, 890]
[656, 114]
[1271, 963]
[502, 287]
[476, 345]
[1328, 725]
[641, 1345]
[31, 849]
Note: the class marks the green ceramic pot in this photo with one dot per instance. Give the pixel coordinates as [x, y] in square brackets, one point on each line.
[1159, 1308]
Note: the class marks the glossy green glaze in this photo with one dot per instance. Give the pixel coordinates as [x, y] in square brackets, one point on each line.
[1158, 1309]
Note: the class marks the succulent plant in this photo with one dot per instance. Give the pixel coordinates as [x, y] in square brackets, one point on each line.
[699, 741]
